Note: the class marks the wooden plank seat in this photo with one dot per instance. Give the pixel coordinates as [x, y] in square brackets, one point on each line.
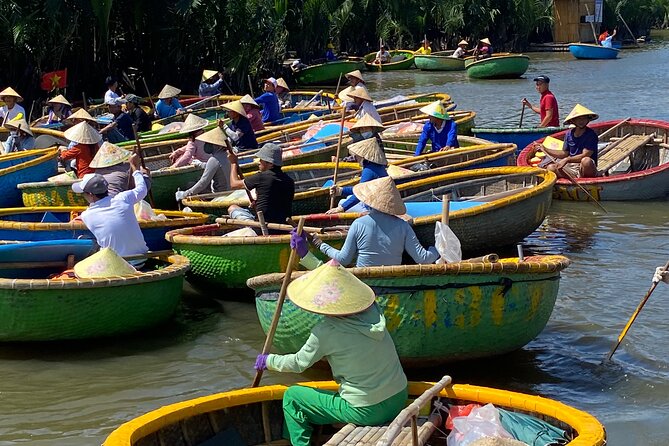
[623, 149]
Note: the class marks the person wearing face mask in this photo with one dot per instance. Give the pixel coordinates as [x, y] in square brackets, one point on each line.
[367, 127]
[580, 145]
[440, 129]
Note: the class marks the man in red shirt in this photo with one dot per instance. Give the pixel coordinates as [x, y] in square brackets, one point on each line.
[548, 107]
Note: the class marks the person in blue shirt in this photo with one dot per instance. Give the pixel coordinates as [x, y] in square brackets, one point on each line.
[269, 101]
[211, 83]
[168, 104]
[329, 54]
[370, 154]
[580, 145]
[120, 129]
[240, 130]
[20, 138]
[440, 129]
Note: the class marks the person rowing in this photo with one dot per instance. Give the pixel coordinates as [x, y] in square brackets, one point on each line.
[483, 49]
[382, 56]
[139, 117]
[548, 106]
[240, 132]
[424, 49]
[439, 129]
[58, 110]
[210, 83]
[112, 162]
[461, 51]
[283, 93]
[11, 109]
[365, 128]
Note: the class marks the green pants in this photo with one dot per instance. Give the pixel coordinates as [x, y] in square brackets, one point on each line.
[304, 407]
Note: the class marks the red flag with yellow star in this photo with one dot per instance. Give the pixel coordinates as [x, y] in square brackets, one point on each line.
[54, 79]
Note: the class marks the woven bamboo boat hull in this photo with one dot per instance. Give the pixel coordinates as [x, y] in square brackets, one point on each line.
[48, 310]
[498, 67]
[520, 137]
[591, 51]
[327, 73]
[202, 418]
[439, 63]
[405, 64]
[646, 184]
[24, 224]
[228, 262]
[166, 182]
[24, 167]
[439, 313]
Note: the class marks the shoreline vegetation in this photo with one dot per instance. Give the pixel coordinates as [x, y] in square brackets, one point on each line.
[172, 41]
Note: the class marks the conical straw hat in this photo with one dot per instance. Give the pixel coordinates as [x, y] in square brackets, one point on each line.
[331, 290]
[360, 93]
[215, 136]
[9, 91]
[580, 110]
[109, 155]
[280, 82]
[60, 99]
[370, 150]
[435, 109]
[168, 91]
[356, 74]
[248, 100]
[463, 42]
[15, 123]
[235, 106]
[368, 121]
[193, 123]
[82, 114]
[83, 133]
[208, 74]
[343, 95]
[104, 263]
[382, 195]
[485, 40]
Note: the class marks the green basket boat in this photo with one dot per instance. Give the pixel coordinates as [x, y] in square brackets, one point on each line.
[228, 262]
[508, 66]
[439, 313]
[57, 309]
[405, 64]
[439, 63]
[327, 73]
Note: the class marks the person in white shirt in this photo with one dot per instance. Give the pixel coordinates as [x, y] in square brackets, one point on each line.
[364, 104]
[112, 219]
[382, 56]
[461, 51]
[356, 81]
[111, 93]
[11, 109]
[608, 42]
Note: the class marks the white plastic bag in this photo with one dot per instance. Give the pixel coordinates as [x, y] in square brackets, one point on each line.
[480, 423]
[242, 232]
[143, 212]
[447, 243]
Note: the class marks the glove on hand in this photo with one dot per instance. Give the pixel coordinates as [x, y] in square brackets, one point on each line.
[660, 276]
[299, 243]
[261, 362]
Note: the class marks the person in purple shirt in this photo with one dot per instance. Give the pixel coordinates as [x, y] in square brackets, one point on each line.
[580, 145]
[440, 129]
[269, 101]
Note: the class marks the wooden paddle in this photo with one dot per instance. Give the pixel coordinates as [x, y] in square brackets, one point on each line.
[336, 169]
[240, 174]
[272, 226]
[138, 151]
[522, 115]
[312, 99]
[337, 89]
[250, 85]
[279, 303]
[148, 92]
[263, 224]
[573, 181]
[614, 128]
[635, 314]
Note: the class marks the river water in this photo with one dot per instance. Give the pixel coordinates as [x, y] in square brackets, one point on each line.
[76, 393]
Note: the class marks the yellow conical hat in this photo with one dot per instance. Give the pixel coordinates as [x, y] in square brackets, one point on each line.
[208, 74]
[280, 82]
[19, 123]
[356, 74]
[248, 100]
[60, 99]
[216, 136]
[368, 121]
[360, 93]
[436, 109]
[370, 150]
[9, 91]
[331, 290]
[193, 123]
[235, 106]
[82, 114]
[578, 111]
[168, 91]
[83, 133]
[382, 195]
[109, 155]
[104, 263]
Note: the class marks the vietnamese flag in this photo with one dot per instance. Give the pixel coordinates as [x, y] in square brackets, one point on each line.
[54, 79]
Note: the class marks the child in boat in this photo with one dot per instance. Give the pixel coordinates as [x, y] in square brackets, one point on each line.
[194, 148]
[440, 129]
[580, 146]
[354, 340]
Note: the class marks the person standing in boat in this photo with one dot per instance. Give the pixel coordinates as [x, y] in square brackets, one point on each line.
[355, 81]
[85, 139]
[364, 105]
[548, 106]
[274, 188]
[240, 130]
[210, 84]
[139, 117]
[369, 154]
[194, 148]
[120, 129]
[252, 110]
[11, 109]
[461, 51]
[579, 151]
[424, 49]
[354, 340]
[20, 138]
[168, 104]
[269, 101]
[439, 129]
[380, 237]
[283, 93]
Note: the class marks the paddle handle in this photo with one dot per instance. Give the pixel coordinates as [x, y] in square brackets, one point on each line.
[576, 183]
[445, 209]
[279, 303]
[336, 169]
[240, 174]
[138, 151]
[522, 115]
[263, 224]
[148, 92]
[622, 334]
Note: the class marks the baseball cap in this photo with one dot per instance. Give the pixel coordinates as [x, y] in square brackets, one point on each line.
[543, 78]
[271, 80]
[116, 101]
[132, 98]
[93, 183]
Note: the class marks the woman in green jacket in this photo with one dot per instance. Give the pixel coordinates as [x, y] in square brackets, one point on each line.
[355, 342]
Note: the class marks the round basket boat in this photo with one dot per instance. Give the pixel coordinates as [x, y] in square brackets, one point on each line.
[59, 309]
[24, 167]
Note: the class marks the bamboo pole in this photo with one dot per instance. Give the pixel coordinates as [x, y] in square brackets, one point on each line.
[336, 169]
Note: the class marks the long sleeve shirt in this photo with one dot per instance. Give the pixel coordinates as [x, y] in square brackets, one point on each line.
[367, 108]
[380, 239]
[113, 223]
[270, 106]
[166, 109]
[370, 171]
[83, 153]
[216, 175]
[7, 114]
[206, 89]
[254, 117]
[446, 136]
[183, 156]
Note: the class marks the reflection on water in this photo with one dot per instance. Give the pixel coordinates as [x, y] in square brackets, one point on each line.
[76, 393]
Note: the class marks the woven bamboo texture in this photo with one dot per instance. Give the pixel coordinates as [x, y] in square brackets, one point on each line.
[24, 167]
[166, 182]
[439, 313]
[47, 309]
[229, 262]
